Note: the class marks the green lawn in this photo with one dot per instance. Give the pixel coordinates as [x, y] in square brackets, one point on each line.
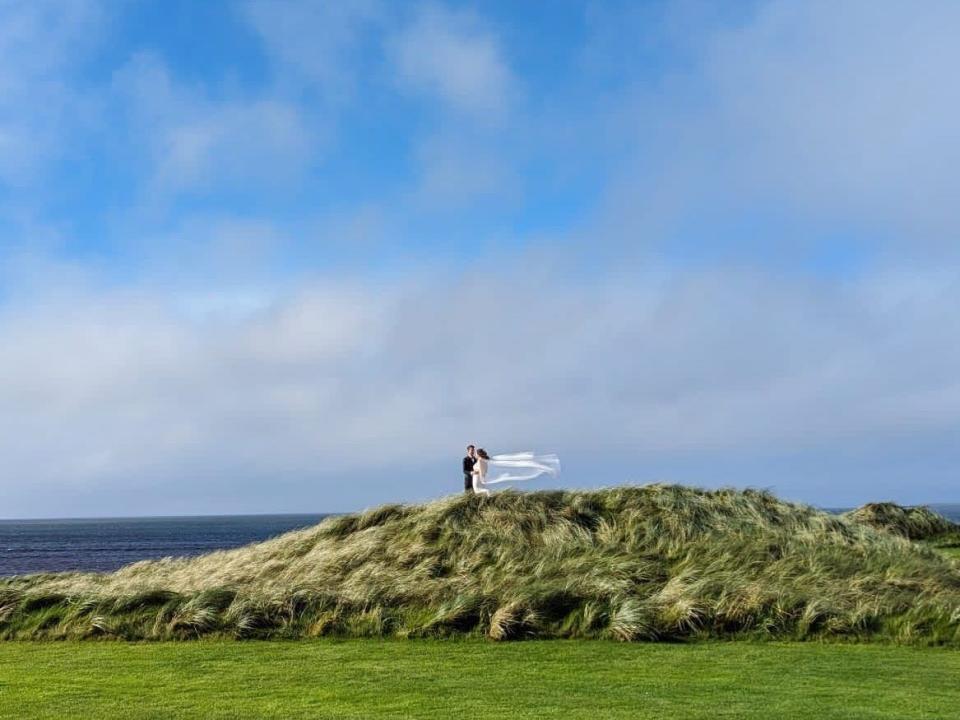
[467, 679]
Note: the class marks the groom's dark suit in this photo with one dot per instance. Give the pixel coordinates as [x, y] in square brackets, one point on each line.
[468, 463]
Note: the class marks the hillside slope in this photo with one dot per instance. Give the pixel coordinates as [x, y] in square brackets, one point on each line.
[633, 563]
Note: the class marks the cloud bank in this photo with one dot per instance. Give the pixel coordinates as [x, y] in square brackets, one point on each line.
[340, 391]
[702, 246]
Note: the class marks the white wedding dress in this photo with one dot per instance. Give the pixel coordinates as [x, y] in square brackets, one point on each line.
[513, 467]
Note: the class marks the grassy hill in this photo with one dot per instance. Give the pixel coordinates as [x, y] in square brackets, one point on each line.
[916, 523]
[659, 562]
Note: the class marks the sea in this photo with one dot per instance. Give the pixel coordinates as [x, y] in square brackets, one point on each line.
[105, 544]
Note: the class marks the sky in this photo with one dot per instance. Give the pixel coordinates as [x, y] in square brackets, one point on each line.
[293, 255]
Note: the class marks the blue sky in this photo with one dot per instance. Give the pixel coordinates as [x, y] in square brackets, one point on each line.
[291, 255]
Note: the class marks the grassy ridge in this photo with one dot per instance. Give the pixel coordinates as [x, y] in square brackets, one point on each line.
[916, 523]
[632, 563]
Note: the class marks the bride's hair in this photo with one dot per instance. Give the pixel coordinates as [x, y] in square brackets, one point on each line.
[483, 453]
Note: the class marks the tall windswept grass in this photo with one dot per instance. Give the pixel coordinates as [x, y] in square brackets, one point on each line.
[916, 523]
[658, 562]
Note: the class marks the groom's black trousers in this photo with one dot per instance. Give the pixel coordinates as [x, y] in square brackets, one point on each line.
[467, 483]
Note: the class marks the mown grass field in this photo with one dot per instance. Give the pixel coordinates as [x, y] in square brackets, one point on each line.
[472, 678]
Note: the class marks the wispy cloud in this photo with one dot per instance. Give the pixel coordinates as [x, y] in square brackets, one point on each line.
[458, 169]
[457, 59]
[317, 42]
[41, 43]
[196, 143]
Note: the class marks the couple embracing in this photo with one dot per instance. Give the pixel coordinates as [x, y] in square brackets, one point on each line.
[513, 467]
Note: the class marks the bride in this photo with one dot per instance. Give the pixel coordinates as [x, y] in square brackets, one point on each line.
[515, 466]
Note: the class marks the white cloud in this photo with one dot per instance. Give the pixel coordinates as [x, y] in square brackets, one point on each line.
[217, 251]
[456, 58]
[235, 142]
[41, 44]
[112, 392]
[458, 169]
[197, 143]
[834, 115]
[847, 105]
[204, 388]
[317, 41]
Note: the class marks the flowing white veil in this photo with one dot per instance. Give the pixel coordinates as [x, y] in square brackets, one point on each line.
[521, 466]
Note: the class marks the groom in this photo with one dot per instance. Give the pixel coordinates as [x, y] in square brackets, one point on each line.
[468, 462]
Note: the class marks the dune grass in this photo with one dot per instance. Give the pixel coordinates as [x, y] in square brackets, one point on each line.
[444, 679]
[951, 551]
[916, 523]
[658, 562]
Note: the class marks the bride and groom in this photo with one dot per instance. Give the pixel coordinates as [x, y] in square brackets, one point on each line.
[515, 467]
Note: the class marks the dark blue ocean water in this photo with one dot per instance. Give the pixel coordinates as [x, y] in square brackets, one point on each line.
[30, 546]
[950, 511]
